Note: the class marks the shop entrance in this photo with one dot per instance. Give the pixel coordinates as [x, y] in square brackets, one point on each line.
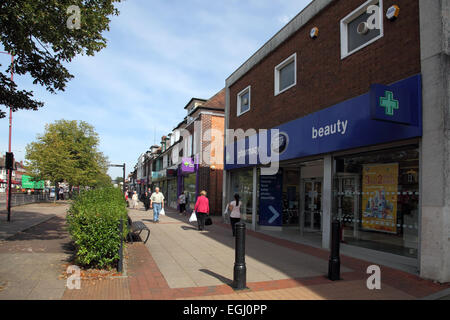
[312, 205]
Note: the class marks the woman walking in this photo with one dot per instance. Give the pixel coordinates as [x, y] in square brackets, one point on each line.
[235, 215]
[202, 210]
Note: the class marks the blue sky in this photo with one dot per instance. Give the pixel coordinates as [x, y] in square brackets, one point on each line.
[160, 54]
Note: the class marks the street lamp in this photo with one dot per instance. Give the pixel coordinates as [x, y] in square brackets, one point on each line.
[8, 189]
[120, 166]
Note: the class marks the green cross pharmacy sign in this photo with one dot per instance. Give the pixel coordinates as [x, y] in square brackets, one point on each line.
[389, 103]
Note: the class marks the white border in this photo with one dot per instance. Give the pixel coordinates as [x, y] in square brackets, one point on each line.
[277, 73]
[350, 17]
[249, 89]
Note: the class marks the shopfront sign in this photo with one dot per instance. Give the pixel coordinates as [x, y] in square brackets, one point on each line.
[187, 165]
[384, 114]
[390, 104]
[270, 204]
[28, 183]
[171, 172]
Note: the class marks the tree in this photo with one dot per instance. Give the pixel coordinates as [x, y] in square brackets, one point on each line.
[67, 151]
[118, 180]
[43, 35]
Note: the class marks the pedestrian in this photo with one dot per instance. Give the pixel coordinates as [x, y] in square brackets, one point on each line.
[134, 198]
[126, 198]
[235, 213]
[182, 203]
[61, 193]
[157, 203]
[202, 210]
[146, 201]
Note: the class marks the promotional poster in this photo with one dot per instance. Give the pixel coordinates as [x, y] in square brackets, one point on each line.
[379, 197]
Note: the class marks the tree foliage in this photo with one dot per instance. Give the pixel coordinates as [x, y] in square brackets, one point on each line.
[68, 151]
[36, 32]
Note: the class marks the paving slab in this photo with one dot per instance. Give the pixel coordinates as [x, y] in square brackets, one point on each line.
[32, 255]
[181, 253]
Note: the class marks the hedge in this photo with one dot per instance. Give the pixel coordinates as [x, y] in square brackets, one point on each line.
[93, 221]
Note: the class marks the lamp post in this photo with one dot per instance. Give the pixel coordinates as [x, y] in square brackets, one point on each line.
[8, 189]
[120, 263]
[120, 166]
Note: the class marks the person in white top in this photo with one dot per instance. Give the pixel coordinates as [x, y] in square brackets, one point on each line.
[134, 198]
[182, 203]
[235, 212]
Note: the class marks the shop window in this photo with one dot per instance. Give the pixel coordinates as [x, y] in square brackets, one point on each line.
[286, 74]
[361, 27]
[242, 184]
[376, 198]
[243, 101]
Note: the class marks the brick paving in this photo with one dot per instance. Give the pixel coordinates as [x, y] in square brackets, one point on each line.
[146, 281]
[148, 278]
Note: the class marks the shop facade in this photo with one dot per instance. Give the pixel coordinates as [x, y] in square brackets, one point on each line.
[188, 181]
[355, 127]
[326, 172]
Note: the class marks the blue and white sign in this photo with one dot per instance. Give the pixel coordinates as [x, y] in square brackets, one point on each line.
[270, 204]
[384, 114]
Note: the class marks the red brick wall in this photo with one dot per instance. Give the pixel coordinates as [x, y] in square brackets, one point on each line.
[323, 79]
[209, 179]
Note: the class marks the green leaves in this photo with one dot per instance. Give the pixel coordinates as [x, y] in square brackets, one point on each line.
[67, 151]
[93, 222]
[36, 31]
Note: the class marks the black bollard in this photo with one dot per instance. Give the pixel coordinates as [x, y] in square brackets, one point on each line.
[120, 266]
[334, 264]
[240, 270]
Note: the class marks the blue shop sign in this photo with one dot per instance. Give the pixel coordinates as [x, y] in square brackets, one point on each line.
[384, 114]
[270, 196]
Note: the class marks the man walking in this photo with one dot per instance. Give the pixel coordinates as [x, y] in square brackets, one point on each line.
[157, 203]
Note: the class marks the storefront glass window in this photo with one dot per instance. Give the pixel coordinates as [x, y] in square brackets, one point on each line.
[242, 184]
[172, 193]
[376, 197]
[190, 188]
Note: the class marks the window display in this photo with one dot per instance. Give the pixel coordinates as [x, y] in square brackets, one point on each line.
[376, 197]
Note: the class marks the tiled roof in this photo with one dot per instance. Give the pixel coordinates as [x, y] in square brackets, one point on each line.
[217, 101]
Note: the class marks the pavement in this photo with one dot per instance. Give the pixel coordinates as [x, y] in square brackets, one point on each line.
[33, 247]
[179, 262]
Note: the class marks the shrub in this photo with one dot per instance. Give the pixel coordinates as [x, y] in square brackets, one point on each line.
[93, 221]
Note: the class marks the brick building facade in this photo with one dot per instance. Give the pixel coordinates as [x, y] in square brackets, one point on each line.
[357, 94]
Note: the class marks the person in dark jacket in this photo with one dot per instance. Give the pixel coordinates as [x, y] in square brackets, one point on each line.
[146, 200]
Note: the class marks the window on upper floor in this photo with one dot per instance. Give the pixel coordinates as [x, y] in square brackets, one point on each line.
[361, 27]
[243, 101]
[286, 74]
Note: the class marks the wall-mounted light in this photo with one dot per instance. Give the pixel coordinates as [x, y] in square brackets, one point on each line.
[392, 12]
[314, 33]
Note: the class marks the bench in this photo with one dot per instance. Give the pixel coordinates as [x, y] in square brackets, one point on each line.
[137, 226]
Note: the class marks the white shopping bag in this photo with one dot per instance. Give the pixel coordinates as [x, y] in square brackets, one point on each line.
[226, 216]
[162, 212]
[193, 217]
